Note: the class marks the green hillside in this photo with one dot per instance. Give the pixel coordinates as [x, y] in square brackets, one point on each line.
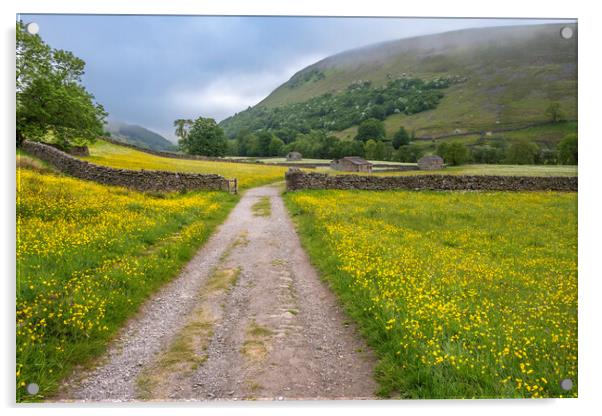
[509, 77]
[138, 136]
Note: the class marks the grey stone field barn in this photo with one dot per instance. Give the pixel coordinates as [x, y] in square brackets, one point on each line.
[431, 162]
[294, 156]
[352, 164]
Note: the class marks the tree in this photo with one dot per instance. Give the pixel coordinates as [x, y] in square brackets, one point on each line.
[382, 151]
[370, 129]
[370, 149]
[401, 138]
[205, 138]
[378, 112]
[568, 150]
[275, 147]
[453, 153]
[549, 157]
[264, 138]
[182, 126]
[350, 148]
[409, 153]
[252, 146]
[487, 154]
[554, 112]
[232, 147]
[51, 103]
[522, 152]
[242, 140]
[286, 135]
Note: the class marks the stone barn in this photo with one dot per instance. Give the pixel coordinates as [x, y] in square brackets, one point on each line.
[432, 162]
[292, 156]
[351, 164]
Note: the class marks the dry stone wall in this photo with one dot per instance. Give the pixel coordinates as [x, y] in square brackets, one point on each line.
[142, 180]
[296, 180]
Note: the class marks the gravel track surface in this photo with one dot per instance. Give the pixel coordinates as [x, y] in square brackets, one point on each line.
[278, 332]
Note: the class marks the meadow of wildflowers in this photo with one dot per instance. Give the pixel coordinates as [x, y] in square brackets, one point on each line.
[461, 294]
[247, 174]
[87, 257]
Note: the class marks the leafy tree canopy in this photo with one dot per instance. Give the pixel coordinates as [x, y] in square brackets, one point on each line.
[522, 152]
[52, 104]
[568, 150]
[409, 153]
[453, 153]
[370, 129]
[401, 138]
[554, 112]
[182, 125]
[205, 138]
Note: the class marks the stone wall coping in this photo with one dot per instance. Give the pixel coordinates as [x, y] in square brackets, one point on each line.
[142, 180]
[297, 179]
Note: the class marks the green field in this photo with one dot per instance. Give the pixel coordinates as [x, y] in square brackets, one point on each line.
[547, 135]
[87, 256]
[461, 295]
[248, 175]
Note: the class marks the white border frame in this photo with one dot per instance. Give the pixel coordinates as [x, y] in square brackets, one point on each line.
[589, 206]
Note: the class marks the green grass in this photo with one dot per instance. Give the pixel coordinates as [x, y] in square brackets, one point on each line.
[263, 207]
[460, 294]
[249, 175]
[255, 345]
[548, 134]
[28, 162]
[88, 255]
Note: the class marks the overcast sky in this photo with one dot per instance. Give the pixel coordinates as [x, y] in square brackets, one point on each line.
[151, 70]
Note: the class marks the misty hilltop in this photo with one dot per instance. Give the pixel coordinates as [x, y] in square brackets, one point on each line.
[138, 135]
[472, 79]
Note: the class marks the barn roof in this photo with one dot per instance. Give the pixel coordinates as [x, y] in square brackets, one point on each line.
[431, 158]
[356, 160]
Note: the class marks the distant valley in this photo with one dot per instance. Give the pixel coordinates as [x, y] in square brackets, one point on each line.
[139, 136]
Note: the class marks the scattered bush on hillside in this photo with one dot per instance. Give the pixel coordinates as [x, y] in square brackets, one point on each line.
[335, 112]
[305, 76]
[554, 112]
